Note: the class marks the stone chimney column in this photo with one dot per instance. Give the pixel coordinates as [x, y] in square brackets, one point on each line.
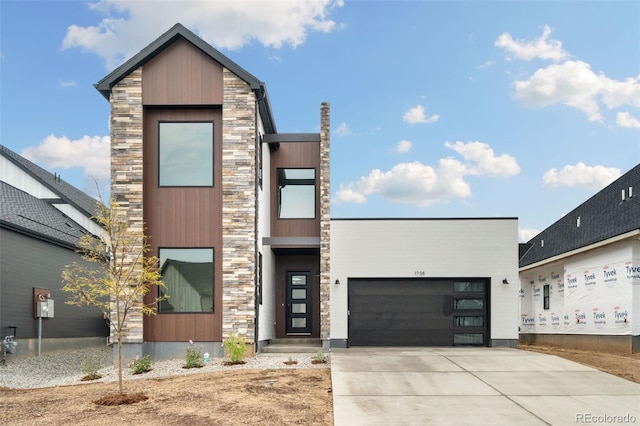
[325, 227]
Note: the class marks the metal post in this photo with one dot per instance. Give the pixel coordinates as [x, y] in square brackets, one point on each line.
[39, 334]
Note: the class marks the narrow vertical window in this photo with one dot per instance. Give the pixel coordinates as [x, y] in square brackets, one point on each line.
[185, 153]
[545, 297]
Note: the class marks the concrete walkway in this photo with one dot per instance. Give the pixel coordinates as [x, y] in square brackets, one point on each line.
[474, 386]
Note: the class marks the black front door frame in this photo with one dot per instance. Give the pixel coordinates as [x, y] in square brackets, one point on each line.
[299, 288]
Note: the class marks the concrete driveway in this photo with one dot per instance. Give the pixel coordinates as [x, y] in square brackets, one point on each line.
[474, 386]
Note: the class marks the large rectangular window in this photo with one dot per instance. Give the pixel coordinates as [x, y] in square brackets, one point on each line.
[188, 278]
[296, 193]
[186, 153]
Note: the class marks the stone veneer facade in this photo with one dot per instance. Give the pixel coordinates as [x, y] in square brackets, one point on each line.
[238, 203]
[325, 226]
[238, 207]
[126, 175]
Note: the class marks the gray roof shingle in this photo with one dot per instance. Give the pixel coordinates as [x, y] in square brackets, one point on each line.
[27, 214]
[67, 192]
[603, 216]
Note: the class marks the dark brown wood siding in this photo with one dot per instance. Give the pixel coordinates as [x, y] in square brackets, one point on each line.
[182, 75]
[295, 155]
[184, 217]
[297, 263]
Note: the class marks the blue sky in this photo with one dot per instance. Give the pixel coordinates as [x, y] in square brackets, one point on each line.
[438, 109]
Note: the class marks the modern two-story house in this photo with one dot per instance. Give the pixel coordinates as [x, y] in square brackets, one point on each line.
[238, 215]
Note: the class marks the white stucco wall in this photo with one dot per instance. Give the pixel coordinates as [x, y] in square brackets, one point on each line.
[437, 248]
[267, 318]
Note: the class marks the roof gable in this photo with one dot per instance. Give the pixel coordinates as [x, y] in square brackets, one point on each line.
[605, 215]
[176, 32]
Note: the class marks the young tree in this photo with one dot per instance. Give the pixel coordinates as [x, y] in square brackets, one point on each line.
[116, 274]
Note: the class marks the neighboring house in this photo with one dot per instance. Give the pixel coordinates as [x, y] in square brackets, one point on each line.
[41, 219]
[239, 216]
[580, 278]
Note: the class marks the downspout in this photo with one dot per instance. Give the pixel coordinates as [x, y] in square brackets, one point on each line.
[256, 317]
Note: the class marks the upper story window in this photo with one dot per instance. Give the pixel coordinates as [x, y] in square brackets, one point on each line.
[186, 153]
[296, 193]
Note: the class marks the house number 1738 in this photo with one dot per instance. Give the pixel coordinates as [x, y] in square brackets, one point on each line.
[419, 273]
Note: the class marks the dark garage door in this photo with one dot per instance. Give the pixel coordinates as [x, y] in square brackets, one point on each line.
[418, 312]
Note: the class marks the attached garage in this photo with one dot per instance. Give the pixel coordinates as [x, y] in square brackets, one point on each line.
[424, 282]
[418, 312]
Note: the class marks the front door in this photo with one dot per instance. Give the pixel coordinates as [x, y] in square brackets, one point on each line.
[299, 287]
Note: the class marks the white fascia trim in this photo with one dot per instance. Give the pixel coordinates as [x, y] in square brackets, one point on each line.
[626, 235]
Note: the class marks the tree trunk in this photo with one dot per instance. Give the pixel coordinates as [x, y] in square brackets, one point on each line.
[120, 389]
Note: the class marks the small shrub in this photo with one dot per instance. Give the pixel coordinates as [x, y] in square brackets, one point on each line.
[141, 365]
[90, 367]
[235, 347]
[290, 361]
[319, 358]
[194, 356]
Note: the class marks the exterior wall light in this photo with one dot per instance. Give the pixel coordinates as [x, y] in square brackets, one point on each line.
[505, 281]
[337, 282]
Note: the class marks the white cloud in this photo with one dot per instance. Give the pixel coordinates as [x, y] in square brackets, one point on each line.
[67, 83]
[416, 115]
[403, 146]
[624, 119]
[571, 83]
[542, 47]
[348, 195]
[342, 130]
[424, 185]
[486, 64]
[574, 84]
[526, 234]
[581, 176]
[91, 153]
[129, 25]
[481, 159]
[617, 93]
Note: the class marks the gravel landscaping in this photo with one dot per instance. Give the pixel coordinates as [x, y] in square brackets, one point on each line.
[65, 368]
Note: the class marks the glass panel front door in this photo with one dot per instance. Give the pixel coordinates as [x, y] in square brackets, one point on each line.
[298, 319]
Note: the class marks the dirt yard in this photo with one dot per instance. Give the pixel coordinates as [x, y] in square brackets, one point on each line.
[246, 397]
[625, 366]
[240, 397]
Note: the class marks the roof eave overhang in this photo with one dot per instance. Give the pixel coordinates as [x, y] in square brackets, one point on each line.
[30, 233]
[627, 235]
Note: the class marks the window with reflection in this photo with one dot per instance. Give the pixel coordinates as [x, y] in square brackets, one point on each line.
[296, 193]
[188, 278]
[468, 303]
[185, 153]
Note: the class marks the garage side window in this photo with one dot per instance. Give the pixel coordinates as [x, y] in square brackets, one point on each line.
[186, 153]
[296, 193]
[188, 278]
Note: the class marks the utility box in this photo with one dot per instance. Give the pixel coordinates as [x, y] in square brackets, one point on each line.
[45, 309]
